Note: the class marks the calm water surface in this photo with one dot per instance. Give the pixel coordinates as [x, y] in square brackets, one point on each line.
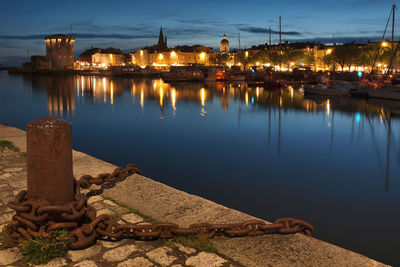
[334, 163]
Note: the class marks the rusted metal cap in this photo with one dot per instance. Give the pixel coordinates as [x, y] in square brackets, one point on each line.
[47, 123]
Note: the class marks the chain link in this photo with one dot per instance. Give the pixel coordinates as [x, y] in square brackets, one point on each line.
[33, 219]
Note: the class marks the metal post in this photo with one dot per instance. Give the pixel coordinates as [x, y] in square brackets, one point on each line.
[49, 161]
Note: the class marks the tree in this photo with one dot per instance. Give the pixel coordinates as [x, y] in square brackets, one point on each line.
[260, 56]
[292, 56]
[242, 58]
[274, 57]
[329, 60]
[219, 58]
[309, 60]
[341, 55]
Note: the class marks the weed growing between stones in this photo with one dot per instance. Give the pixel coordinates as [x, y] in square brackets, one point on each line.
[116, 216]
[40, 250]
[3, 240]
[145, 218]
[11, 146]
[200, 243]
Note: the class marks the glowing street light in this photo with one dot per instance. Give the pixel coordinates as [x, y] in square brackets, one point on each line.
[385, 44]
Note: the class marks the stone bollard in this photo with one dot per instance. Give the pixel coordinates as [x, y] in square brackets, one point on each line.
[49, 161]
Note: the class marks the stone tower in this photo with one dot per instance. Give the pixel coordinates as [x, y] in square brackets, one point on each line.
[60, 51]
[224, 46]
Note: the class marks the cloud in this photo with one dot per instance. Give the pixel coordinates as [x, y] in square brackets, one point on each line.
[79, 35]
[339, 39]
[251, 29]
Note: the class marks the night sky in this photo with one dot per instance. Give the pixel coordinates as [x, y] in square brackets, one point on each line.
[130, 25]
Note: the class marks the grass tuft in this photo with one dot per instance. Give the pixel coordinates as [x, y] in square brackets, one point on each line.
[11, 146]
[39, 250]
[3, 240]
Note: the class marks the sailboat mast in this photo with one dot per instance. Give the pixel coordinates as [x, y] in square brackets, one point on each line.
[239, 39]
[270, 43]
[394, 10]
[280, 30]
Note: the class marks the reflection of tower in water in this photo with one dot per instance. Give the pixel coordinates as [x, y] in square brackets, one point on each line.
[60, 96]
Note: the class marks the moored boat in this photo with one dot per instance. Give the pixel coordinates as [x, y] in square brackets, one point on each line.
[391, 93]
[324, 89]
[182, 74]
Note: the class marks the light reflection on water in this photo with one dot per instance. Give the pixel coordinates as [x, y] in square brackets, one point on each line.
[333, 162]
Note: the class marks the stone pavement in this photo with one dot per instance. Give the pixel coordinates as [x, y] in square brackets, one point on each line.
[103, 253]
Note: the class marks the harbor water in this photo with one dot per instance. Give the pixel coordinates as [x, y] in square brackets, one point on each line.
[334, 162]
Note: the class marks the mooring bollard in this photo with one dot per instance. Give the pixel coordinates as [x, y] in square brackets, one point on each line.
[49, 161]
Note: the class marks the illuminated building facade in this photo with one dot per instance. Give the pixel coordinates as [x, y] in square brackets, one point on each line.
[170, 58]
[60, 51]
[107, 59]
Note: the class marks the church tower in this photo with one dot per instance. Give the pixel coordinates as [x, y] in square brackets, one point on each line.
[162, 42]
[224, 46]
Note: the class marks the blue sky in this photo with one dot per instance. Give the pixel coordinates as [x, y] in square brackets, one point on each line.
[130, 25]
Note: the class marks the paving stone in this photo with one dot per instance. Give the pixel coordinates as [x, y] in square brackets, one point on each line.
[9, 256]
[132, 218]
[6, 217]
[205, 259]
[160, 256]
[57, 262]
[109, 244]
[144, 246]
[119, 253]
[109, 202]
[19, 184]
[94, 199]
[5, 209]
[98, 205]
[136, 262]
[12, 169]
[77, 255]
[86, 264]
[120, 210]
[176, 265]
[19, 175]
[5, 188]
[185, 250]
[5, 176]
[105, 211]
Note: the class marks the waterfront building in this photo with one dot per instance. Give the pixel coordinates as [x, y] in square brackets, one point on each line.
[60, 51]
[97, 57]
[224, 45]
[107, 59]
[159, 55]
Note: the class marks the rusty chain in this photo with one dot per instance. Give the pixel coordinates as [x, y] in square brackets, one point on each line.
[34, 219]
[107, 180]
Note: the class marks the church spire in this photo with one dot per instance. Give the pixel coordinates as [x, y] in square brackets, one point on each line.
[162, 41]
